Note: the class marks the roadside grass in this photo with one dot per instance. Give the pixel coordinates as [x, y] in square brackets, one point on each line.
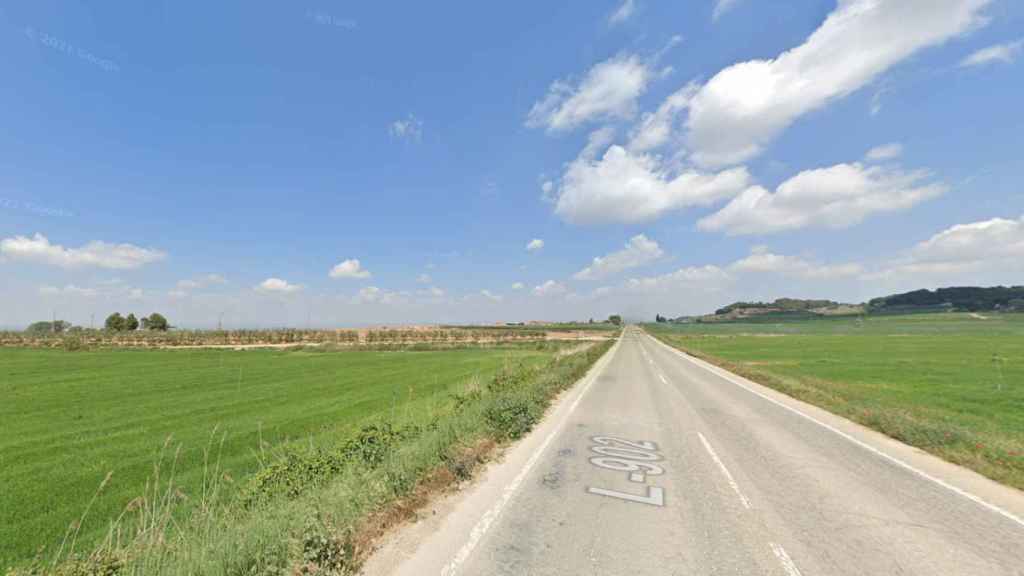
[950, 384]
[346, 438]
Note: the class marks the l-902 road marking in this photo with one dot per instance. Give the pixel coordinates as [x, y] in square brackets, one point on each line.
[634, 457]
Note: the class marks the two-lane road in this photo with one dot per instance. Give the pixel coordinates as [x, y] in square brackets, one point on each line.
[660, 464]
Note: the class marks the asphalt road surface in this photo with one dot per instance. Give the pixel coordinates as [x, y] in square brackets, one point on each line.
[657, 463]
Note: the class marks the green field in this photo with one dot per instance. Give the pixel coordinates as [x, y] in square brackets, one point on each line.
[70, 418]
[951, 384]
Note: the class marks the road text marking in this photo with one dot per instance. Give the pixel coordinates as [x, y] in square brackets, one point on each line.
[635, 457]
[485, 522]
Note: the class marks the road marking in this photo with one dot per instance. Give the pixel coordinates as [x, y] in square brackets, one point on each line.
[785, 560]
[724, 374]
[728, 476]
[662, 376]
[485, 522]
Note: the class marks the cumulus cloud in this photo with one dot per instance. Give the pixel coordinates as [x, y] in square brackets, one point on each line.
[410, 128]
[622, 13]
[639, 251]
[836, 197]
[424, 279]
[550, 288]
[518, 286]
[656, 128]
[94, 254]
[996, 244]
[705, 278]
[743, 107]
[608, 91]
[623, 186]
[764, 261]
[375, 295]
[534, 245]
[1000, 53]
[349, 269]
[885, 152]
[277, 286]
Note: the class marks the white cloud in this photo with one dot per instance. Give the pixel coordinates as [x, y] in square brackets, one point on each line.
[721, 7]
[135, 294]
[550, 288]
[622, 186]
[201, 282]
[638, 251]
[534, 245]
[277, 285]
[375, 295]
[708, 278]
[349, 269]
[609, 91]
[411, 128]
[655, 129]
[68, 290]
[743, 107]
[518, 286]
[491, 296]
[996, 244]
[836, 197]
[885, 152]
[179, 294]
[622, 13]
[94, 254]
[761, 260]
[424, 279]
[1005, 53]
[432, 292]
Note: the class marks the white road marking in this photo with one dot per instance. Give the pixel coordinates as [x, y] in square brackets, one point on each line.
[785, 560]
[662, 376]
[485, 522]
[922, 474]
[728, 476]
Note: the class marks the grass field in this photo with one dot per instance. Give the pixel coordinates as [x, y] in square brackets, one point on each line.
[70, 418]
[951, 384]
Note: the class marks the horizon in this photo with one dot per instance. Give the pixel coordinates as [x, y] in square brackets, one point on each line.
[419, 165]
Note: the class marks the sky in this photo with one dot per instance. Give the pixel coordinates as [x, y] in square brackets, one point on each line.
[320, 164]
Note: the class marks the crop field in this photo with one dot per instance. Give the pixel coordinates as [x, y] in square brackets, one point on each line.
[71, 418]
[951, 384]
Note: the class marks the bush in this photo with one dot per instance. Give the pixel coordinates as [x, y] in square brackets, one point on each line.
[510, 416]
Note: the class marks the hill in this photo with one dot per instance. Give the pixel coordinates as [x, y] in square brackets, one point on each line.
[962, 299]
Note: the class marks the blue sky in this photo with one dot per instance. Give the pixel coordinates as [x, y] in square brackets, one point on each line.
[234, 160]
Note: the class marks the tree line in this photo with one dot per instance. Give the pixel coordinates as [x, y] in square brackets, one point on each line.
[114, 323]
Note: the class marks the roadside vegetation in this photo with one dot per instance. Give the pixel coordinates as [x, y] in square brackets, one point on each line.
[951, 384]
[258, 462]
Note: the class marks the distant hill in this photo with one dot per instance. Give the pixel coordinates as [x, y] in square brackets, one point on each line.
[781, 309]
[964, 299]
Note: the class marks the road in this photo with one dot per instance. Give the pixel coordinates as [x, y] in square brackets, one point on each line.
[658, 463]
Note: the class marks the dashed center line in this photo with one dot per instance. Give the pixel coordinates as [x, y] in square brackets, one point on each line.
[728, 476]
[785, 560]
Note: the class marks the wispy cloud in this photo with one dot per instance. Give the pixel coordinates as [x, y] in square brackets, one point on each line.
[410, 128]
[1000, 53]
[622, 13]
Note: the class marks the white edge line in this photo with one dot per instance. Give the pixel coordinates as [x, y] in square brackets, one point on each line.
[485, 522]
[728, 476]
[785, 560]
[724, 374]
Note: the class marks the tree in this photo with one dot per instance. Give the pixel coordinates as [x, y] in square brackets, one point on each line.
[115, 322]
[131, 323]
[660, 319]
[615, 319]
[155, 321]
[44, 327]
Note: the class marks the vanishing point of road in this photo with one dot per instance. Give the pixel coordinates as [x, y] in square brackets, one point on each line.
[658, 463]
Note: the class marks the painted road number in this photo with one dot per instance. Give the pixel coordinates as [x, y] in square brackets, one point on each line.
[636, 458]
